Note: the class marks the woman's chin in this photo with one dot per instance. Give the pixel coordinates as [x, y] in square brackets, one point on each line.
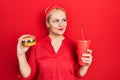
[60, 33]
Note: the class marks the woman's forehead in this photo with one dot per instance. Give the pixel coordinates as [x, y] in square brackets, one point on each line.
[58, 14]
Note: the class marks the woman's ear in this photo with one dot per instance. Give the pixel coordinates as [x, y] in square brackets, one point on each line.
[47, 24]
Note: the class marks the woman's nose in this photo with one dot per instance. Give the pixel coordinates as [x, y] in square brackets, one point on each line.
[61, 24]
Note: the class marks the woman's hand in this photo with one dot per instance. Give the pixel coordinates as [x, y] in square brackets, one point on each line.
[87, 58]
[20, 48]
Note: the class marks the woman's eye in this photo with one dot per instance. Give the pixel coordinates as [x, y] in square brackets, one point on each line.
[64, 20]
[56, 21]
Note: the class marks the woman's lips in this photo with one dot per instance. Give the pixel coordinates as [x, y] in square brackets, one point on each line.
[61, 29]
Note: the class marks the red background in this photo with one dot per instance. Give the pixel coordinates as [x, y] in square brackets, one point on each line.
[100, 20]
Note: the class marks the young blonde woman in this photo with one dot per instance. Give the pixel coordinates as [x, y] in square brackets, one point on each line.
[54, 56]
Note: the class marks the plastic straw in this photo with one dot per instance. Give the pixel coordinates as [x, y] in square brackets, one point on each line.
[82, 34]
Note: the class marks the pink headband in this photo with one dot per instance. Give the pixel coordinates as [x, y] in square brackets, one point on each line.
[49, 9]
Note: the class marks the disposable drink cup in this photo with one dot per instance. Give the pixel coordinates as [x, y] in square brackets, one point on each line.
[82, 46]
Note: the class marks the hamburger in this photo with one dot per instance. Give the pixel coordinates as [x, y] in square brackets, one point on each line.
[29, 41]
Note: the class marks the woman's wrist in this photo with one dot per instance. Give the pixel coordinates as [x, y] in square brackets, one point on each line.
[83, 70]
[21, 55]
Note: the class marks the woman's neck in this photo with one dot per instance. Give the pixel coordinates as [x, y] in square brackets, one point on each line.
[56, 37]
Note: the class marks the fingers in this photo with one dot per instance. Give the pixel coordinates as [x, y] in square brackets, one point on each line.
[87, 61]
[20, 47]
[20, 40]
[86, 55]
[21, 37]
[87, 58]
[89, 51]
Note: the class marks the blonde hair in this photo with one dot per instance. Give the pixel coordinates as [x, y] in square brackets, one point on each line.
[49, 11]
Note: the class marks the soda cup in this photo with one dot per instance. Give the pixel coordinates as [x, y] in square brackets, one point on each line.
[82, 47]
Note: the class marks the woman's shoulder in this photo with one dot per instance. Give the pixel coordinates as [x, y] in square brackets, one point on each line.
[39, 43]
[70, 41]
[43, 39]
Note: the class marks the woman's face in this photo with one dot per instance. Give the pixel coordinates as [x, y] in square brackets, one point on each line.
[57, 22]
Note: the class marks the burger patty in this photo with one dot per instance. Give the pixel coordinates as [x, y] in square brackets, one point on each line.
[28, 41]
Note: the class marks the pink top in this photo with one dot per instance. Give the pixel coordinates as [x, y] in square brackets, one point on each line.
[49, 65]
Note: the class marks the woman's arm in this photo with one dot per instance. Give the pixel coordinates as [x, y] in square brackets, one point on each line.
[23, 64]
